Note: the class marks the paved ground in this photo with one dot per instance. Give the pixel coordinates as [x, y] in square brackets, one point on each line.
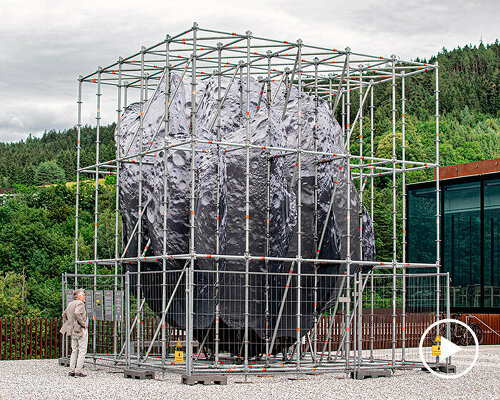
[44, 379]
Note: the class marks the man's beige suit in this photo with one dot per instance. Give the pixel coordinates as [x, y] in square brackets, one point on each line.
[75, 317]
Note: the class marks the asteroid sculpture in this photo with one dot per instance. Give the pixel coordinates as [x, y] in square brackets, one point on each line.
[220, 216]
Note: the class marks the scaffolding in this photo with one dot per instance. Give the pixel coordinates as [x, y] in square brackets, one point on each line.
[331, 74]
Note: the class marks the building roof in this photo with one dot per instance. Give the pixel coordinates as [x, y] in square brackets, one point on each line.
[472, 168]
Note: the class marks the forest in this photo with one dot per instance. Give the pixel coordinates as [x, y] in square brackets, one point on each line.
[37, 219]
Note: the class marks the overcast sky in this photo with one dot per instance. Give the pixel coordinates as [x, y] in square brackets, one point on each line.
[46, 45]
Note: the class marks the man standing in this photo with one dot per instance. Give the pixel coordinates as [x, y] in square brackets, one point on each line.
[75, 325]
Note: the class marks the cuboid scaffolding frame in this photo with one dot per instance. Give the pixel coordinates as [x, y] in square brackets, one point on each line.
[331, 74]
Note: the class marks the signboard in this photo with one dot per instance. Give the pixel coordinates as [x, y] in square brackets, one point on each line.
[108, 305]
[69, 296]
[436, 350]
[179, 356]
[89, 303]
[119, 305]
[98, 309]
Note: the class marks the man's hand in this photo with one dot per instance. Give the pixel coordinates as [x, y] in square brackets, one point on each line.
[84, 326]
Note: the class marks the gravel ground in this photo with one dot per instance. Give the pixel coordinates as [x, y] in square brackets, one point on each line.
[44, 379]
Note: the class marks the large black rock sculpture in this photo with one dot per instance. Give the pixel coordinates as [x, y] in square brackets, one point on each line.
[215, 167]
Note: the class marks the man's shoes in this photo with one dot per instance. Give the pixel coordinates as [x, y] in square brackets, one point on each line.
[71, 373]
[79, 375]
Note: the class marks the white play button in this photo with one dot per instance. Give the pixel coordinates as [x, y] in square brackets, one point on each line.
[448, 348]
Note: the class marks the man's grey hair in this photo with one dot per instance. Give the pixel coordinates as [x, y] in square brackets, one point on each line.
[77, 293]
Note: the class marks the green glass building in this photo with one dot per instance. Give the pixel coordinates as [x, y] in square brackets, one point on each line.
[470, 236]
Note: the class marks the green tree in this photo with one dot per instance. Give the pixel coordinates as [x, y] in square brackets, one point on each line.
[49, 172]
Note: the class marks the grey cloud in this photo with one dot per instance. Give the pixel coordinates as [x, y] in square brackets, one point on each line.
[46, 47]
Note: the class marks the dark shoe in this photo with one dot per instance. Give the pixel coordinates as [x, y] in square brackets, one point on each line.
[79, 375]
[71, 373]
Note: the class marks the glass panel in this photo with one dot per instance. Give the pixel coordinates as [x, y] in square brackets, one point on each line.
[462, 243]
[422, 226]
[492, 243]
[421, 238]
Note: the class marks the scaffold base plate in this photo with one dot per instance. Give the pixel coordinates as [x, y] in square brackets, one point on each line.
[204, 379]
[139, 374]
[444, 368]
[371, 373]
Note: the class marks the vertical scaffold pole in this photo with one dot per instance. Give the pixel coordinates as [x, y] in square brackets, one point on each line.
[192, 249]
[117, 198]
[217, 211]
[394, 212]
[96, 204]
[438, 200]
[299, 199]
[359, 327]
[372, 153]
[166, 146]
[341, 93]
[78, 150]
[247, 203]
[268, 199]
[403, 211]
[348, 211]
[344, 305]
[139, 208]
[315, 214]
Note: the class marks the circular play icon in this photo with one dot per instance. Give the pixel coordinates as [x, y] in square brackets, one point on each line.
[444, 348]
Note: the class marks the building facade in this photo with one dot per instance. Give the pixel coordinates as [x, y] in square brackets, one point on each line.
[470, 232]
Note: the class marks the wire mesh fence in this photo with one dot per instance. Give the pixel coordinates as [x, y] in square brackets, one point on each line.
[261, 322]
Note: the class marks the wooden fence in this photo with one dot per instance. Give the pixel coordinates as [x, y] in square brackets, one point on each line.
[26, 338]
[39, 338]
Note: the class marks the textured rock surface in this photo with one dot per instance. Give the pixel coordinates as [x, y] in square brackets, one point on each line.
[226, 167]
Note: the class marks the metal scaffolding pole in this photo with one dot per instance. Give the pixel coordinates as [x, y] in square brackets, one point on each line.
[268, 199]
[96, 204]
[217, 204]
[394, 211]
[438, 199]
[247, 204]
[166, 146]
[117, 200]
[372, 200]
[78, 151]
[299, 200]
[140, 209]
[348, 208]
[192, 243]
[403, 211]
[315, 213]
[359, 325]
